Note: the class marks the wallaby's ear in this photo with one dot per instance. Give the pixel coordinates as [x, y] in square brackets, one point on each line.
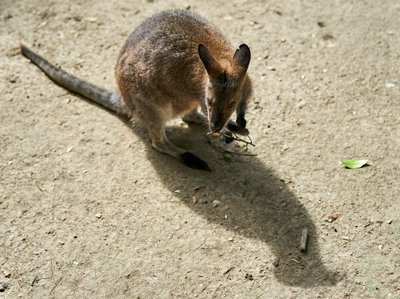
[242, 56]
[212, 66]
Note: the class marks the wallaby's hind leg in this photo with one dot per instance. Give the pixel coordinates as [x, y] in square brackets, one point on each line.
[161, 143]
[155, 124]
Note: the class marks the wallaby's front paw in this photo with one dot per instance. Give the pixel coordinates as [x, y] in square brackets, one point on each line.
[232, 126]
[193, 161]
[241, 122]
[237, 126]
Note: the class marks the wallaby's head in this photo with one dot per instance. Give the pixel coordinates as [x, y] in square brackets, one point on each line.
[224, 87]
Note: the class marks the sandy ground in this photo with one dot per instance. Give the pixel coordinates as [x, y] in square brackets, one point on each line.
[89, 210]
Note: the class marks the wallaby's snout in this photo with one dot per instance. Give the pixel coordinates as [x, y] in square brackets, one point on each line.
[219, 112]
[216, 125]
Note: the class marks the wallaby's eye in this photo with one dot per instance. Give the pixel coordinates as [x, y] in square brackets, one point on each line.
[223, 78]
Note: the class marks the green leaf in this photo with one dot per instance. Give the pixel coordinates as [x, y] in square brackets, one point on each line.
[354, 164]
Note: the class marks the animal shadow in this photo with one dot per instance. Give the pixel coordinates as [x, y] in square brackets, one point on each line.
[258, 204]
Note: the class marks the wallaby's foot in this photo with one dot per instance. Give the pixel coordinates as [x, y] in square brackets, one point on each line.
[164, 146]
[195, 117]
[193, 161]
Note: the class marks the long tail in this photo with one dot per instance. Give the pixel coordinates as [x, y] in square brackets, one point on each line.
[103, 97]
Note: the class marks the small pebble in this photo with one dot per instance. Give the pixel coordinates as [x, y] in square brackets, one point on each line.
[390, 85]
[12, 79]
[91, 19]
[332, 217]
[327, 36]
[7, 274]
[249, 277]
[216, 203]
[276, 263]
[203, 200]
[301, 104]
[227, 157]
[99, 215]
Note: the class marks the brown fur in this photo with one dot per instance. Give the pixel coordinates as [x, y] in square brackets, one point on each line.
[172, 64]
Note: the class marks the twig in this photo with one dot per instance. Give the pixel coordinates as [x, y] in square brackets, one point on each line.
[237, 138]
[303, 240]
[235, 153]
[34, 281]
[296, 261]
[37, 185]
[57, 283]
[229, 270]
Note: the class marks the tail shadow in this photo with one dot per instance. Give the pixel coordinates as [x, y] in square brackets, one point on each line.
[258, 203]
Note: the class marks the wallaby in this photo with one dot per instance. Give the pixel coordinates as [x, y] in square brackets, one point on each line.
[172, 64]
